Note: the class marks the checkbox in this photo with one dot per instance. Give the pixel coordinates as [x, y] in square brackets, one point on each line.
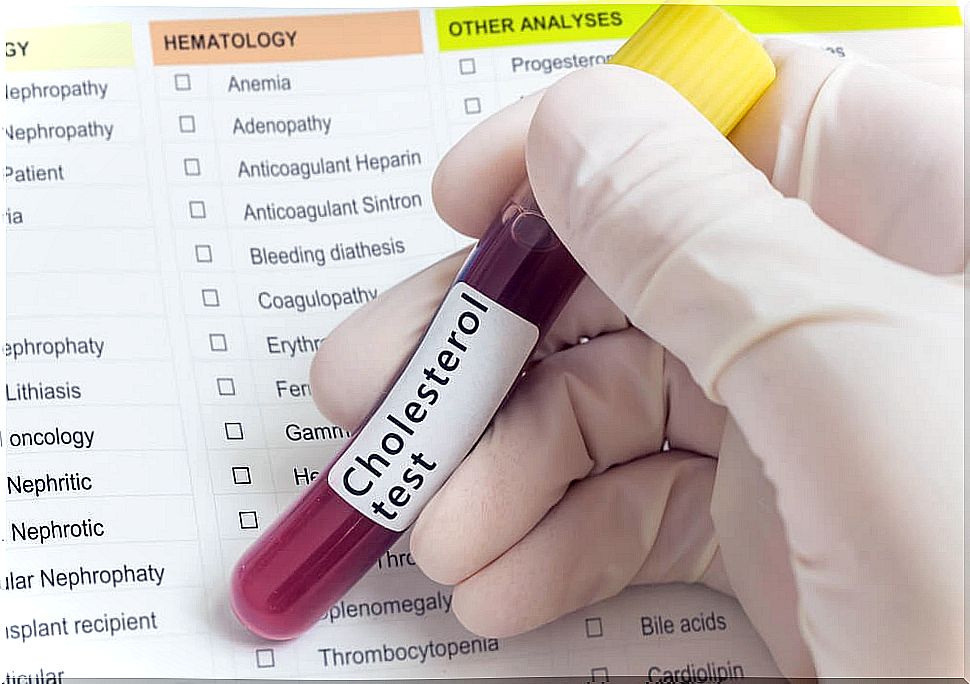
[473, 105]
[187, 123]
[466, 66]
[192, 166]
[226, 387]
[203, 254]
[265, 657]
[594, 627]
[241, 475]
[599, 674]
[218, 342]
[196, 209]
[234, 431]
[210, 297]
[248, 521]
[183, 82]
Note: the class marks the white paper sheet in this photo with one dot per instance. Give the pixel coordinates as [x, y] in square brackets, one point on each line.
[157, 360]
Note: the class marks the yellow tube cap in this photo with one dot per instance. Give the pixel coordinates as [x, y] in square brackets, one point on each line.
[706, 55]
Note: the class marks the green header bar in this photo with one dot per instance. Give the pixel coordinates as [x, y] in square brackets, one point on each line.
[815, 19]
[472, 28]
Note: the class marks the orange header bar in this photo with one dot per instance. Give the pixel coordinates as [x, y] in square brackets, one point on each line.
[286, 39]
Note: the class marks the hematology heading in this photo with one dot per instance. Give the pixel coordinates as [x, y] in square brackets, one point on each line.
[286, 39]
[226, 41]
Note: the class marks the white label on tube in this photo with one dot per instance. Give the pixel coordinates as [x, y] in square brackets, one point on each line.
[461, 371]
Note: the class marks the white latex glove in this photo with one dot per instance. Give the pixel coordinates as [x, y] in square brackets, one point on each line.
[834, 511]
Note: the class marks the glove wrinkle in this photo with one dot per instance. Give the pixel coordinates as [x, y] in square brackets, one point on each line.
[681, 546]
[569, 382]
[694, 423]
[808, 167]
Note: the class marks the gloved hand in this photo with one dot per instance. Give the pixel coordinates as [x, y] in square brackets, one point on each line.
[827, 497]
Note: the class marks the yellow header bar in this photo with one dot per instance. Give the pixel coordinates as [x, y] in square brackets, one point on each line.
[69, 47]
[470, 28]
